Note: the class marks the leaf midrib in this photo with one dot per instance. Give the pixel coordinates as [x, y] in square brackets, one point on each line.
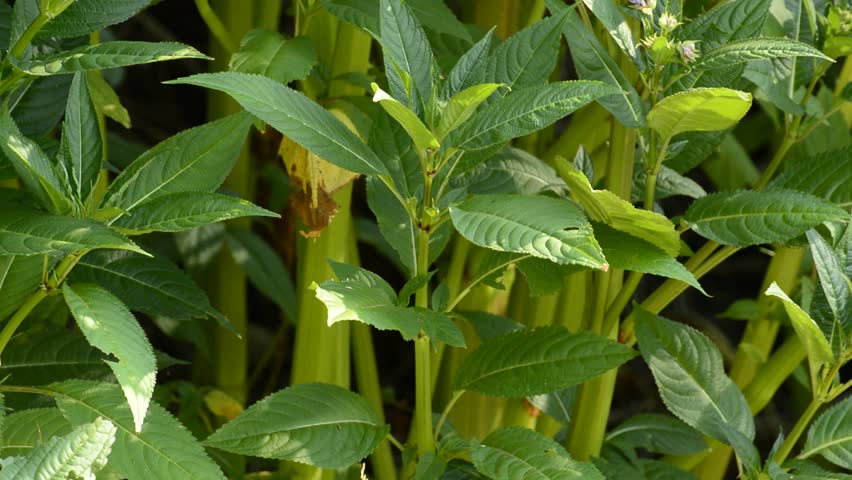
[133, 434]
[826, 445]
[139, 282]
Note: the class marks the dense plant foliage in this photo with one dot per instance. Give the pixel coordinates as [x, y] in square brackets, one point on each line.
[522, 212]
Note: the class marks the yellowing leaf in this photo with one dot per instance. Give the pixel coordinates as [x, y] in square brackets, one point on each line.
[698, 110]
[817, 346]
[223, 404]
[418, 132]
[606, 207]
[318, 179]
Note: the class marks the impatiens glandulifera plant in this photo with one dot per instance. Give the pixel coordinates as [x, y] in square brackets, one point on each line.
[523, 243]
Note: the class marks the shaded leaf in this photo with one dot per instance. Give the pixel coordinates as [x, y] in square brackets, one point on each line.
[691, 378]
[536, 361]
[296, 116]
[743, 218]
[514, 452]
[180, 211]
[299, 424]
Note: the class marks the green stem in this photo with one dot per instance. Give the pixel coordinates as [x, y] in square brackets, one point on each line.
[798, 430]
[59, 273]
[588, 426]
[367, 376]
[215, 25]
[774, 372]
[15, 321]
[456, 396]
[28, 35]
[423, 358]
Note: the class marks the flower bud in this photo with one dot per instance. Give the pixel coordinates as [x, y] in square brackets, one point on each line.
[644, 6]
[668, 22]
[688, 51]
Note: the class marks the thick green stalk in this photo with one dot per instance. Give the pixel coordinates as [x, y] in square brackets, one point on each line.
[225, 280]
[774, 373]
[267, 14]
[757, 342]
[316, 355]
[594, 398]
[591, 412]
[423, 358]
[367, 377]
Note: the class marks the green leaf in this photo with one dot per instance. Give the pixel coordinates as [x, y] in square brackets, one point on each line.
[808, 470]
[296, 116]
[691, 378]
[514, 452]
[270, 54]
[698, 110]
[606, 207]
[535, 361]
[511, 170]
[545, 277]
[404, 42]
[149, 285]
[529, 224]
[593, 62]
[394, 223]
[361, 295]
[20, 276]
[111, 328]
[469, 70]
[825, 175]
[163, 449]
[744, 218]
[835, 285]
[102, 56]
[105, 99]
[31, 232]
[434, 15]
[755, 49]
[26, 429]
[817, 346]
[658, 434]
[84, 16]
[181, 211]
[299, 424]
[361, 13]
[558, 404]
[524, 111]
[418, 132]
[197, 159]
[412, 285]
[34, 168]
[626, 252]
[487, 325]
[831, 435]
[528, 57]
[669, 184]
[41, 105]
[264, 268]
[79, 454]
[5, 25]
[610, 15]
[462, 106]
[41, 356]
[81, 152]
